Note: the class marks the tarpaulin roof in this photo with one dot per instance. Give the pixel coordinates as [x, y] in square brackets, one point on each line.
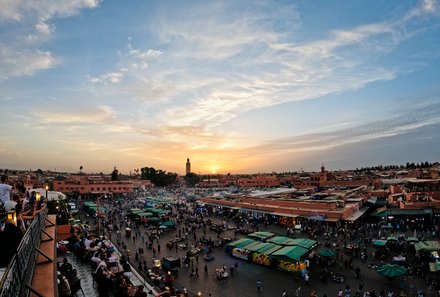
[144, 214]
[290, 253]
[136, 210]
[168, 224]
[261, 235]
[391, 270]
[264, 248]
[241, 243]
[305, 242]
[282, 240]
[89, 203]
[428, 246]
[410, 239]
[380, 242]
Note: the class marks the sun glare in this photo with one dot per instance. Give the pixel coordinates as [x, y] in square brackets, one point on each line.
[214, 169]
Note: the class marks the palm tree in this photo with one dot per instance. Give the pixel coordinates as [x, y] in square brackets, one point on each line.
[80, 169]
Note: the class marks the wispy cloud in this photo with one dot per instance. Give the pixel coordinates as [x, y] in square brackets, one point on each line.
[89, 115]
[21, 53]
[399, 124]
[265, 67]
[111, 77]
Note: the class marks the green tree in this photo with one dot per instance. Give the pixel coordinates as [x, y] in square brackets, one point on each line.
[191, 179]
[159, 178]
[115, 174]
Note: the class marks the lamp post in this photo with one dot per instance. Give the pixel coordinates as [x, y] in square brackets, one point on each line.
[47, 188]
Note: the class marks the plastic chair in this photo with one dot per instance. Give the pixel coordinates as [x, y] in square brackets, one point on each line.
[75, 287]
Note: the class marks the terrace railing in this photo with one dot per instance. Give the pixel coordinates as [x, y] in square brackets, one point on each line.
[18, 275]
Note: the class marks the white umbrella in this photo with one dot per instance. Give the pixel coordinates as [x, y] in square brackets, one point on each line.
[51, 195]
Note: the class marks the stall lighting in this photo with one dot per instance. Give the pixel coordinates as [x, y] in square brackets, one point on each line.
[12, 215]
[37, 197]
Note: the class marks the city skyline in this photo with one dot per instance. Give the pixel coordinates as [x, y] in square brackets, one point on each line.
[238, 87]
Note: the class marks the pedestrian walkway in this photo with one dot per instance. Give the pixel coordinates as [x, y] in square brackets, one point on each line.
[85, 274]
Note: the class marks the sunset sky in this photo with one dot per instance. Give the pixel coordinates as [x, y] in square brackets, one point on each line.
[236, 86]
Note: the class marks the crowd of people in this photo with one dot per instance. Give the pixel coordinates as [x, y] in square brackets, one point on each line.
[25, 206]
[144, 247]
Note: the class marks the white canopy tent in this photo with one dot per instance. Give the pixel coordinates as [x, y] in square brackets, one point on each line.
[51, 195]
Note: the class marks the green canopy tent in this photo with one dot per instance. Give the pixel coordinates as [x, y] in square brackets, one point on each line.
[380, 213]
[264, 248]
[144, 214]
[412, 239]
[168, 224]
[427, 246]
[239, 248]
[380, 242]
[135, 210]
[158, 211]
[392, 238]
[89, 203]
[290, 253]
[262, 235]
[260, 252]
[241, 242]
[154, 220]
[327, 253]
[391, 270]
[305, 243]
[281, 240]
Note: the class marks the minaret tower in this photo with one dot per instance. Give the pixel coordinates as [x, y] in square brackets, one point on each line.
[188, 166]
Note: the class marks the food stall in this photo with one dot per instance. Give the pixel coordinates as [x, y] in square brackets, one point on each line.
[260, 252]
[289, 258]
[239, 247]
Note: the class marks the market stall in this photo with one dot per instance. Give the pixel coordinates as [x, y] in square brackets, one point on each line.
[282, 240]
[381, 248]
[289, 258]
[262, 235]
[305, 243]
[260, 252]
[239, 247]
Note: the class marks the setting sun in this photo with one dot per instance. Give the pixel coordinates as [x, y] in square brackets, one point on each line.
[214, 168]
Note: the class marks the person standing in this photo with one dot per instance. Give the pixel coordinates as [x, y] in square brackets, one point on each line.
[259, 286]
[5, 190]
[307, 279]
[298, 292]
[361, 285]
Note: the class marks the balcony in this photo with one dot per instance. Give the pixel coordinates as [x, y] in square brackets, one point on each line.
[32, 270]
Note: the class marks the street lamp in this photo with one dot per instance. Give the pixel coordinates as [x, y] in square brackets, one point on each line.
[37, 197]
[47, 188]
